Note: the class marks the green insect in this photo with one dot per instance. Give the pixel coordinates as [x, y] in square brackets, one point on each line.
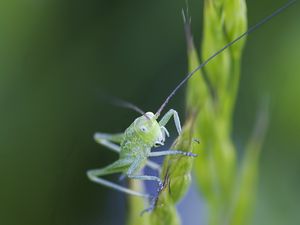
[135, 149]
[147, 132]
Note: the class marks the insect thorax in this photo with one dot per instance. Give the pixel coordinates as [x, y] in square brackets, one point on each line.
[141, 136]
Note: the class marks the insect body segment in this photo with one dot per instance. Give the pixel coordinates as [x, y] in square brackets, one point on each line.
[144, 133]
[135, 149]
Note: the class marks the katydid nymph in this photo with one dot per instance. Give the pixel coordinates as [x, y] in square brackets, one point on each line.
[147, 131]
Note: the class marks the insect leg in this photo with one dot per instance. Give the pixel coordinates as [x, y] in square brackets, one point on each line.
[153, 165]
[131, 173]
[168, 116]
[172, 152]
[109, 140]
[150, 164]
[118, 166]
[133, 169]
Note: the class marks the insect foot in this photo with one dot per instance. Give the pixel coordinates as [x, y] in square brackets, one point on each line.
[154, 199]
[189, 154]
[160, 186]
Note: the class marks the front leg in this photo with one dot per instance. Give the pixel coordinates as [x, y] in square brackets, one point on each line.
[168, 116]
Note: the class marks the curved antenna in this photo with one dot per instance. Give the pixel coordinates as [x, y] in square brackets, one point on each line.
[125, 104]
[128, 105]
[249, 31]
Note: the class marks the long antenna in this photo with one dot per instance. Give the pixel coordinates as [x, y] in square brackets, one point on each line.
[249, 31]
[122, 103]
[128, 105]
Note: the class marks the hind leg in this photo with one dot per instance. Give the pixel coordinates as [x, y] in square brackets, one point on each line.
[117, 167]
[111, 141]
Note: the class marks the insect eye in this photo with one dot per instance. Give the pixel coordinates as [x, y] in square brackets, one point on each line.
[144, 129]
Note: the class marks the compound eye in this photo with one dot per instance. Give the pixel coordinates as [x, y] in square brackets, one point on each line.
[144, 129]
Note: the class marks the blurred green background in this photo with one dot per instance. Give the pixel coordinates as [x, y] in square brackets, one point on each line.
[57, 58]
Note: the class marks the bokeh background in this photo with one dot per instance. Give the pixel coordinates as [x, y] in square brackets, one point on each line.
[58, 59]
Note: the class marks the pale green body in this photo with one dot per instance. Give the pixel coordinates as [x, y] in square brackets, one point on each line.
[135, 148]
[143, 134]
